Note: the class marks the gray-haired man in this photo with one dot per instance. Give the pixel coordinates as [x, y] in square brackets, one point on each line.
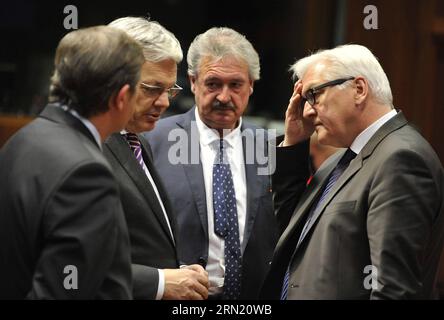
[223, 206]
[150, 219]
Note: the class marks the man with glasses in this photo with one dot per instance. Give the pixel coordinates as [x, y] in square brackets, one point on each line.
[148, 212]
[222, 202]
[370, 224]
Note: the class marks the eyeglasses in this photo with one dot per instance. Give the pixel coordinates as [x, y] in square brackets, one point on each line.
[156, 91]
[310, 95]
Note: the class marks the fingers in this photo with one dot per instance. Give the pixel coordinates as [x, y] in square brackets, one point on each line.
[201, 290]
[188, 283]
[197, 268]
[295, 108]
[199, 282]
[297, 128]
[203, 274]
[296, 90]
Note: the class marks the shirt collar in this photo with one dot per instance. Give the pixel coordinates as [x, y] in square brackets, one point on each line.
[88, 124]
[208, 136]
[364, 137]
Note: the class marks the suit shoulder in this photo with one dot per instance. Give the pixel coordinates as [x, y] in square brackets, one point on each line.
[407, 139]
[54, 145]
[407, 148]
[252, 130]
[170, 121]
[250, 125]
[163, 128]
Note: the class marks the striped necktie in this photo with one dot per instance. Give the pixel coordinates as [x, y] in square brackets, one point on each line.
[348, 156]
[135, 146]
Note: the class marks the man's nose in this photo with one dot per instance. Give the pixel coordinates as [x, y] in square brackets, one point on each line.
[309, 111]
[163, 100]
[224, 95]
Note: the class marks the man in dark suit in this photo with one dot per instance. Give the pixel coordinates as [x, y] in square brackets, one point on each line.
[151, 222]
[370, 224]
[219, 191]
[62, 230]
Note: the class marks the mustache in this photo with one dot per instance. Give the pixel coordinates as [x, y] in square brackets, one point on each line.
[223, 106]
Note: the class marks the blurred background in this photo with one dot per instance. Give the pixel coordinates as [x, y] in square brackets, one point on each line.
[409, 42]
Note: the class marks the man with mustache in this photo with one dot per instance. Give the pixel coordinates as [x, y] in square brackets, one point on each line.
[151, 223]
[223, 205]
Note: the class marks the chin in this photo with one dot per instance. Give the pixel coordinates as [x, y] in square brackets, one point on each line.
[329, 142]
[146, 126]
[322, 138]
[226, 121]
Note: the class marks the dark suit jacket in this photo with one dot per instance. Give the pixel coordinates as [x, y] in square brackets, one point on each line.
[185, 184]
[384, 216]
[151, 244]
[59, 207]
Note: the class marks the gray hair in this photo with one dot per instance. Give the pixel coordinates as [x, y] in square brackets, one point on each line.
[219, 43]
[157, 42]
[349, 60]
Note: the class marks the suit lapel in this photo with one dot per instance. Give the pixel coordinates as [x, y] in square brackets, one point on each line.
[193, 167]
[307, 200]
[124, 155]
[354, 166]
[393, 124]
[159, 184]
[254, 182]
[357, 163]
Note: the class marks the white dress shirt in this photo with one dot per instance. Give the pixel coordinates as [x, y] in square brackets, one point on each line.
[364, 137]
[235, 155]
[161, 286]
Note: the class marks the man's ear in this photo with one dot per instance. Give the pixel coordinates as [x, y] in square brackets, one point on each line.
[251, 87]
[192, 82]
[361, 85]
[122, 98]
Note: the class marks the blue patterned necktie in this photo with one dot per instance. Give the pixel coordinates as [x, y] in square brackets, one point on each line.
[134, 143]
[334, 176]
[226, 223]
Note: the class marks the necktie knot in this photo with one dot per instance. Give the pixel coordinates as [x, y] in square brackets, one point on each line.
[348, 156]
[135, 145]
[133, 140]
[221, 151]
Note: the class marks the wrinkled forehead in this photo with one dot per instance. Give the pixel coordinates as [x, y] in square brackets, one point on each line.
[161, 73]
[223, 65]
[314, 75]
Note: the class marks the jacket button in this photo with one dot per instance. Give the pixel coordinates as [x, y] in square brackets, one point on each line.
[203, 262]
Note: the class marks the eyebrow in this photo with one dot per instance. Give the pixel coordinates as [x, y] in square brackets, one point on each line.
[212, 78]
[303, 92]
[312, 85]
